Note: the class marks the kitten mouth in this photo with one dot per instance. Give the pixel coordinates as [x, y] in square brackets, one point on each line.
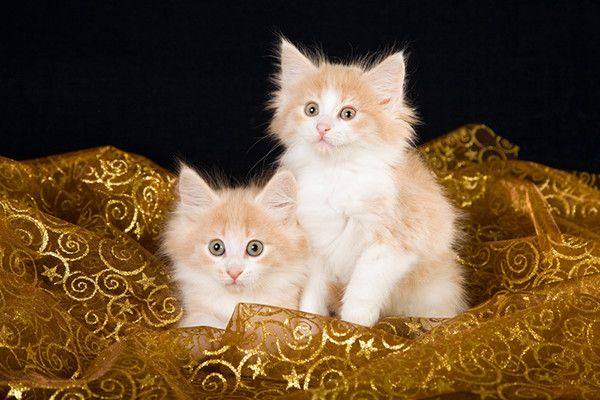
[324, 143]
[324, 146]
[234, 285]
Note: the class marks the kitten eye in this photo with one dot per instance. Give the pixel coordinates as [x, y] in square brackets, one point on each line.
[311, 109]
[217, 247]
[347, 113]
[254, 248]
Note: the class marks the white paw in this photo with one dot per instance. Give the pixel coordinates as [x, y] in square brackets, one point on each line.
[361, 315]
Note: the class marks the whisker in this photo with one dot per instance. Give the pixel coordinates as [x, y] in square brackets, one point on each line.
[263, 159]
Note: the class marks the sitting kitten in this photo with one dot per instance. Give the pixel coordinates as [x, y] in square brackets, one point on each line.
[228, 246]
[378, 221]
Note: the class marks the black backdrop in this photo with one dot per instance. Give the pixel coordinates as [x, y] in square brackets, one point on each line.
[169, 79]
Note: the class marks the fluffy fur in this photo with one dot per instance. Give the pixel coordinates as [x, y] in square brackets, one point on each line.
[379, 223]
[211, 285]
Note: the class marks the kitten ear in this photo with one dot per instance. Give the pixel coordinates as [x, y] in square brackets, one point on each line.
[294, 64]
[387, 78]
[279, 196]
[193, 190]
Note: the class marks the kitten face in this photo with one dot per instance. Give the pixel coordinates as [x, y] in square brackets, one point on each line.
[330, 120]
[333, 109]
[240, 239]
[236, 247]
[235, 267]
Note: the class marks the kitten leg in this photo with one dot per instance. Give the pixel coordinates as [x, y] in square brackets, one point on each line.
[439, 293]
[315, 292]
[375, 276]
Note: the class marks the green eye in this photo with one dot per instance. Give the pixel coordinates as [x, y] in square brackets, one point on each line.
[348, 113]
[311, 109]
[254, 248]
[217, 247]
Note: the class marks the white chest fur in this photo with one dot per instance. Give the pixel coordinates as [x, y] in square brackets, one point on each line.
[337, 206]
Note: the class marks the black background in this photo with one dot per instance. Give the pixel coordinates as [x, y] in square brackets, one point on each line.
[168, 79]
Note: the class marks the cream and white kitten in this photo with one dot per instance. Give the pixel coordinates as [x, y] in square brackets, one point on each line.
[228, 246]
[379, 222]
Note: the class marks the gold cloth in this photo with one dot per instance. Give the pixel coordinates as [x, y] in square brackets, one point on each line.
[87, 310]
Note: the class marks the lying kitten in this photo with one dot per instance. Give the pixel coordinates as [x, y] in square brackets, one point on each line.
[378, 221]
[228, 246]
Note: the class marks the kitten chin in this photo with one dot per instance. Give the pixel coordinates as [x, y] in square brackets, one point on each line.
[380, 225]
[231, 245]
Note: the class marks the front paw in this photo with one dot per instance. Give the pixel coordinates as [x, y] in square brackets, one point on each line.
[361, 315]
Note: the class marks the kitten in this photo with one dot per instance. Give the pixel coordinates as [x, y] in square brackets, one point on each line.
[379, 222]
[228, 246]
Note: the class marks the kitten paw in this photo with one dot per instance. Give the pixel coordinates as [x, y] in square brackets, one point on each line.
[361, 315]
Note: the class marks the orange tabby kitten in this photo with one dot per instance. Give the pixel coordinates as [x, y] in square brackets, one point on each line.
[379, 223]
[228, 246]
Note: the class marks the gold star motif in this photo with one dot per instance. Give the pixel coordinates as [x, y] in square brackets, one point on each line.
[293, 379]
[17, 391]
[471, 154]
[494, 235]
[30, 352]
[146, 282]
[366, 348]
[258, 368]
[414, 327]
[51, 273]
[127, 307]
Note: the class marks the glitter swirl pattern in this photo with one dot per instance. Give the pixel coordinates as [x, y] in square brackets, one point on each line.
[88, 310]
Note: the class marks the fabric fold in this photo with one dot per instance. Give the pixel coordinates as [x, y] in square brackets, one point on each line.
[88, 309]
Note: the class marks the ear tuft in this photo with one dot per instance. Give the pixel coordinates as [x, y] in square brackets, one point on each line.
[387, 78]
[193, 190]
[279, 196]
[294, 64]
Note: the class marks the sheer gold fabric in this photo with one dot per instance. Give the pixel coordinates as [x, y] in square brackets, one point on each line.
[87, 311]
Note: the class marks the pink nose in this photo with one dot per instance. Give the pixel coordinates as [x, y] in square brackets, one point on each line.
[323, 128]
[234, 273]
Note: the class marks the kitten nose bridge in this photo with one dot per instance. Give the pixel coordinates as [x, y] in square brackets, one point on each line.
[324, 124]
